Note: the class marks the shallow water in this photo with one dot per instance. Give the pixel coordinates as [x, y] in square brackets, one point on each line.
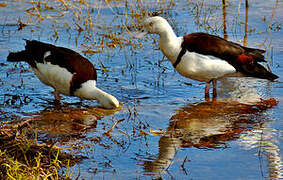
[166, 128]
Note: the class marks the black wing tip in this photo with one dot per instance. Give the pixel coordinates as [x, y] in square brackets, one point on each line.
[270, 76]
[273, 77]
[261, 51]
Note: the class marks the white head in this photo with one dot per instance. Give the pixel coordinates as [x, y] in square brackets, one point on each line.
[107, 100]
[156, 25]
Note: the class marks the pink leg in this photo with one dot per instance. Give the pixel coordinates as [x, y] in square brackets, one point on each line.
[206, 90]
[214, 82]
[56, 95]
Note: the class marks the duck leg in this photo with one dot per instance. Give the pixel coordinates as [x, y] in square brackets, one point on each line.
[206, 91]
[214, 83]
[56, 95]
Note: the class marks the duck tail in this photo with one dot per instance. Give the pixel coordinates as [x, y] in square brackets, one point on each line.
[261, 72]
[24, 55]
[17, 56]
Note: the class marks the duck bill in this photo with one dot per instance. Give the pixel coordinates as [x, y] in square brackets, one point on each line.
[138, 34]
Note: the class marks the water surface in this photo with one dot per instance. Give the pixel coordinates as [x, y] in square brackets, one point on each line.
[166, 128]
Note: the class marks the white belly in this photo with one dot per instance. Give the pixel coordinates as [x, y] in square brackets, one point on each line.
[203, 68]
[54, 76]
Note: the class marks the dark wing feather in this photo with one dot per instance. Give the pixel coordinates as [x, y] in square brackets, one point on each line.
[63, 57]
[207, 44]
[81, 68]
[244, 59]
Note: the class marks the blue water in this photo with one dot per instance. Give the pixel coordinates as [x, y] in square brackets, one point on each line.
[167, 130]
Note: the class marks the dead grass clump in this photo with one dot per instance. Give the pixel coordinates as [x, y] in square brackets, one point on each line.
[22, 158]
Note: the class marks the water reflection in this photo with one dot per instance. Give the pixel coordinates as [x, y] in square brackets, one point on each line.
[68, 122]
[207, 125]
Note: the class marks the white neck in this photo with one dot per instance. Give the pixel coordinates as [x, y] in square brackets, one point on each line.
[167, 34]
[90, 91]
[169, 43]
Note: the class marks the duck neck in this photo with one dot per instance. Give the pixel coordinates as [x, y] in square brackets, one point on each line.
[167, 36]
[90, 91]
[169, 44]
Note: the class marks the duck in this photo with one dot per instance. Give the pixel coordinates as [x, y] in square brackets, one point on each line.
[204, 57]
[65, 70]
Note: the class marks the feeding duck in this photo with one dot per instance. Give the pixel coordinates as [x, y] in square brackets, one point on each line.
[65, 70]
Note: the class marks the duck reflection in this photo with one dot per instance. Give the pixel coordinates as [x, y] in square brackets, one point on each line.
[207, 125]
[63, 123]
